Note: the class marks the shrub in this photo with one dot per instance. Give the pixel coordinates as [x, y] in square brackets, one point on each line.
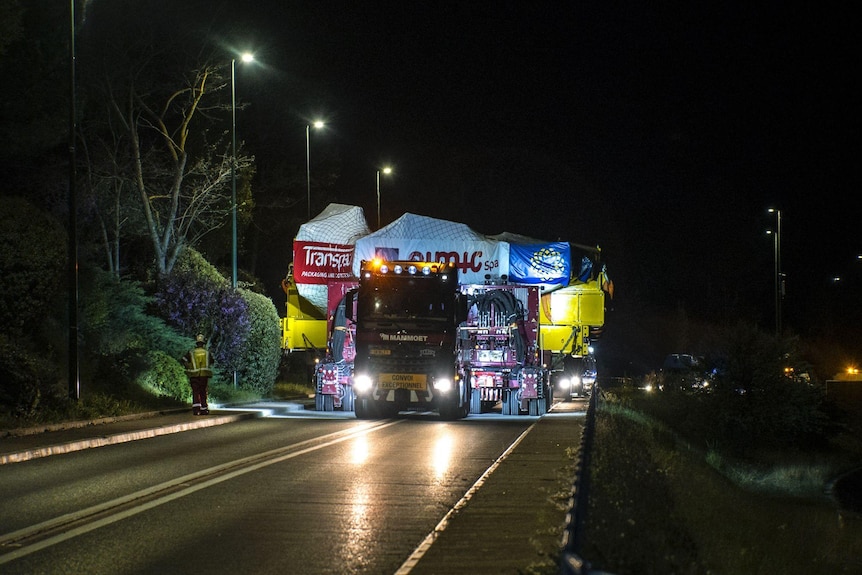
[242, 326]
[261, 349]
[751, 403]
[26, 379]
[165, 377]
[114, 318]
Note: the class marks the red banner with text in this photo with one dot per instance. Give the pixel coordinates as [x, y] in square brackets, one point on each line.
[320, 262]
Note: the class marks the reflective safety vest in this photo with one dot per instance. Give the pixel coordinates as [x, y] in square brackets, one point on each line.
[200, 365]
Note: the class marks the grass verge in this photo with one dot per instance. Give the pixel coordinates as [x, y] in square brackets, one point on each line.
[658, 506]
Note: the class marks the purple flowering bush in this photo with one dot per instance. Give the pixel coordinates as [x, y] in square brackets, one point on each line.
[241, 327]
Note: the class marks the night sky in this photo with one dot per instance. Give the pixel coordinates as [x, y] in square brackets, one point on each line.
[661, 133]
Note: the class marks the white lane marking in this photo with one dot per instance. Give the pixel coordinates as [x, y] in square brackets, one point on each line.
[337, 437]
[423, 547]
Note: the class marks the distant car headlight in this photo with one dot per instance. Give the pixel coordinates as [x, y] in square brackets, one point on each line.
[565, 383]
[443, 384]
[361, 383]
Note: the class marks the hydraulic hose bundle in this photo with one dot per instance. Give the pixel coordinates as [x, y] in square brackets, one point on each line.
[501, 307]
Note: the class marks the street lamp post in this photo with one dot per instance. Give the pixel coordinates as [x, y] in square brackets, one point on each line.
[778, 275]
[386, 170]
[317, 125]
[246, 57]
[74, 374]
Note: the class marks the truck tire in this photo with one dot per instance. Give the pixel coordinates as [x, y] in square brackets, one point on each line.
[364, 408]
[475, 401]
[467, 398]
[348, 400]
[318, 401]
[328, 403]
[450, 411]
[511, 403]
[538, 406]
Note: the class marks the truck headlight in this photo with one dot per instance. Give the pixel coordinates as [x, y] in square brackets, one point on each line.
[361, 383]
[443, 384]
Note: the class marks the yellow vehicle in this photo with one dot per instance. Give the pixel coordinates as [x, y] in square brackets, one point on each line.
[571, 319]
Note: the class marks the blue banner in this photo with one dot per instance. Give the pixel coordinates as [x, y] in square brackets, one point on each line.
[540, 263]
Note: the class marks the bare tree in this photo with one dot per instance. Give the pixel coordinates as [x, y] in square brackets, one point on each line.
[181, 177]
[107, 186]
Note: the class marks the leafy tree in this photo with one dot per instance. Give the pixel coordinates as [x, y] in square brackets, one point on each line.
[32, 264]
[11, 29]
[157, 105]
[34, 110]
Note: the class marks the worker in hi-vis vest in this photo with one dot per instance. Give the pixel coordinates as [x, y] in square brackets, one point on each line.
[198, 364]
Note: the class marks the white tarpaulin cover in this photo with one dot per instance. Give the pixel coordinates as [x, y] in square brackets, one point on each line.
[333, 244]
[337, 224]
[420, 238]
[323, 250]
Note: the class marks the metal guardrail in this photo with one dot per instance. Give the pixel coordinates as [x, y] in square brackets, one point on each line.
[571, 562]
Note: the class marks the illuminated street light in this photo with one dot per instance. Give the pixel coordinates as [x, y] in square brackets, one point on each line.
[386, 170]
[317, 124]
[778, 276]
[246, 57]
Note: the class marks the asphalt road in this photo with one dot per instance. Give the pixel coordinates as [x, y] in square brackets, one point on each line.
[297, 494]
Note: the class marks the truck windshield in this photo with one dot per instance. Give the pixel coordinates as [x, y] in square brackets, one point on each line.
[404, 298]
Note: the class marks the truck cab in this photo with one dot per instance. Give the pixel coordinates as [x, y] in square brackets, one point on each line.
[406, 317]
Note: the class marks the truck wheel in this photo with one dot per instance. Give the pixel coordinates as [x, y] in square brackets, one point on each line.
[450, 412]
[459, 405]
[318, 401]
[348, 400]
[511, 403]
[328, 403]
[363, 408]
[538, 406]
[475, 401]
[465, 403]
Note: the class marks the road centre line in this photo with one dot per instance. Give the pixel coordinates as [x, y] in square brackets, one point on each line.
[429, 540]
[221, 472]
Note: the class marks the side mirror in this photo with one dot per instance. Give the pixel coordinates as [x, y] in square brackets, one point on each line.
[350, 305]
[460, 309]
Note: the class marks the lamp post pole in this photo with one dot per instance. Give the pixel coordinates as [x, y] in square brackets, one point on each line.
[778, 279]
[74, 373]
[386, 170]
[317, 124]
[233, 281]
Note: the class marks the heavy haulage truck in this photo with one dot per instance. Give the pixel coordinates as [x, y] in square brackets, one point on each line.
[498, 349]
[528, 337]
[406, 316]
